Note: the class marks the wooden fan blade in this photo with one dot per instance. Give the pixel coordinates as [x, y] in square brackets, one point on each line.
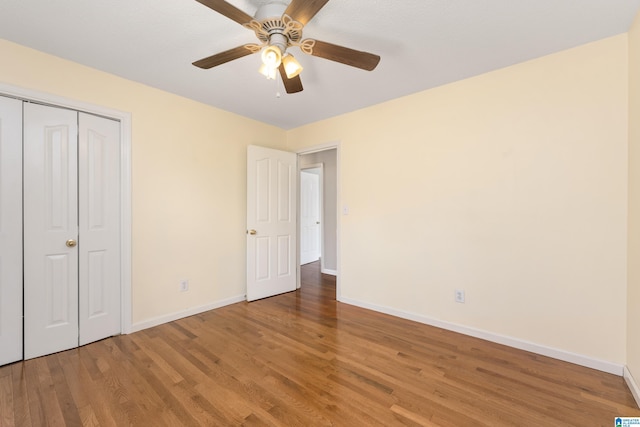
[292, 85]
[303, 10]
[223, 57]
[228, 10]
[355, 58]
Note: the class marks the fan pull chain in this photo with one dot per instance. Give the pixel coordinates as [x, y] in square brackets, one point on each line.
[277, 87]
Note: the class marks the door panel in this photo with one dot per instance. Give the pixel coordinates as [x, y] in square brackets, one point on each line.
[50, 221]
[99, 227]
[10, 230]
[285, 260]
[271, 202]
[309, 217]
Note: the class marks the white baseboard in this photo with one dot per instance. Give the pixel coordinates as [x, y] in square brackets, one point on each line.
[330, 272]
[578, 359]
[633, 385]
[150, 323]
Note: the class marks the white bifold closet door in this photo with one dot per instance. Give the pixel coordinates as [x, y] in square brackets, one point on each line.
[99, 227]
[10, 230]
[71, 229]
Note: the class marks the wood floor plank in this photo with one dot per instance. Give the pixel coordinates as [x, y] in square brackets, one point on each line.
[6, 399]
[93, 389]
[140, 400]
[302, 358]
[49, 406]
[418, 419]
[20, 413]
[66, 403]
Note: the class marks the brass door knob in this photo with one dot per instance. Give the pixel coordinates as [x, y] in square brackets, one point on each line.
[252, 232]
[71, 243]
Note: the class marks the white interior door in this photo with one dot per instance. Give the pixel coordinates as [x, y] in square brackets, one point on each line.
[271, 222]
[50, 230]
[99, 227]
[309, 215]
[10, 230]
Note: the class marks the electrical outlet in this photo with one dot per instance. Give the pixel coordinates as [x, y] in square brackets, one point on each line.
[184, 285]
[459, 296]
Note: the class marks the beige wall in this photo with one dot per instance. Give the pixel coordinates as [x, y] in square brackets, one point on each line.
[633, 292]
[188, 181]
[511, 185]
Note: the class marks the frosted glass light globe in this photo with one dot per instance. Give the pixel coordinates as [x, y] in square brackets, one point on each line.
[271, 56]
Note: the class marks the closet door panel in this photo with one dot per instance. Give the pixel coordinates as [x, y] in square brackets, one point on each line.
[10, 230]
[99, 221]
[50, 230]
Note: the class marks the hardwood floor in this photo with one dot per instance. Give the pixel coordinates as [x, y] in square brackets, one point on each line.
[301, 359]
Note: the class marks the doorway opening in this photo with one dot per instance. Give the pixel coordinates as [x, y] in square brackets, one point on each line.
[318, 213]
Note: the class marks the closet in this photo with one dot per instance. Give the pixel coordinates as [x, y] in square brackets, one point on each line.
[59, 229]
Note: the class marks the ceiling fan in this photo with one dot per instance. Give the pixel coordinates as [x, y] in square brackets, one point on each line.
[279, 26]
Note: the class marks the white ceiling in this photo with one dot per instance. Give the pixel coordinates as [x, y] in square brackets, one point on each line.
[423, 44]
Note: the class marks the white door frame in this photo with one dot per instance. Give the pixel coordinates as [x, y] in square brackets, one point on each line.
[125, 178]
[315, 149]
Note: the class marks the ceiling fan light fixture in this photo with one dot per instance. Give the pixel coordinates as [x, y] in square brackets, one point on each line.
[291, 66]
[269, 73]
[278, 25]
[271, 56]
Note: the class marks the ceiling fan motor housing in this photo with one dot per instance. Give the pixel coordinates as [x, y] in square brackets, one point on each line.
[273, 10]
[280, 41]
[274, 28]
